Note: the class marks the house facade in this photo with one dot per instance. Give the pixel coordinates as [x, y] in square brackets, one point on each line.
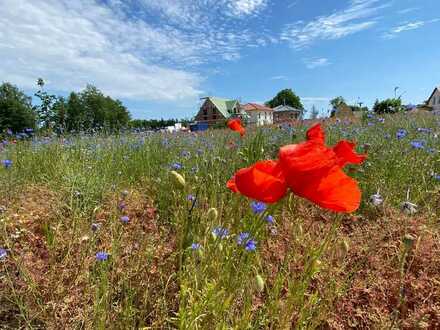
[258, 114]
[284, 113]
[434, 100]
[215, 110]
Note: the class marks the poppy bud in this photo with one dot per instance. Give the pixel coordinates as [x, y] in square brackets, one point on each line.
[179, 180]
[259, 283]
[316, 266]
[408, 240]
[345, 247]
[212, 214]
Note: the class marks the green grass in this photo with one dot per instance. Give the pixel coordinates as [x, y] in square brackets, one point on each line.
[305, 273]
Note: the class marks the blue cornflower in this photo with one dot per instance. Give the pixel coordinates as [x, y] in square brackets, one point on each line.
[29, 130]
[424, 130]
[220, 232]
[269, 219]
[258, 207]
[122, 205]
[125, 218]
[370, 115]
[185, 153]
[3, 253]
[370, 123]
[436, 176]
[176, 166]
[195, 246]
[9, 132]
[191, 198]
[102, 256]
[418, 144]
[251, 245]
[381, 120]
[95, 226]
[245, 240]
[401, 133]
[7, 163]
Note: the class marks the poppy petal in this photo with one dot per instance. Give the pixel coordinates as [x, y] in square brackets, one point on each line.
[264, 181]
[231, 185]
[306, 157]
[316, 134]
[235, 125]
[344, 150]
[335, 191]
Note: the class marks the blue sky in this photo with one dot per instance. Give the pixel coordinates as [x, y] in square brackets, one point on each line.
[160, 56]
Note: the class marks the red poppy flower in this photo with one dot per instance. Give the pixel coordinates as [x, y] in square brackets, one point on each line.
[264, 181]
[310, 169]
[344, 150]
[335, 191]
[235, 125]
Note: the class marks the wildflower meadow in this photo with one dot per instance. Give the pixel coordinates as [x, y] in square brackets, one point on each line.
[276, 227]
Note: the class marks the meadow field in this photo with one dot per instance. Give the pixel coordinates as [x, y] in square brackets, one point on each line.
[97, 232]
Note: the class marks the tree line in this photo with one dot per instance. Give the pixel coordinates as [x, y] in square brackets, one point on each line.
[87, 110]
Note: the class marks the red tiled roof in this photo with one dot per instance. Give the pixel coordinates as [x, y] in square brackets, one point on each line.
[255, 107]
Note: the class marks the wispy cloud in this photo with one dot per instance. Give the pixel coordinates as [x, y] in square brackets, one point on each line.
[407, 10]
[278, 78]
[407, 26]
[315, 99]
[313, 63]
[358, 16]
[123, 51]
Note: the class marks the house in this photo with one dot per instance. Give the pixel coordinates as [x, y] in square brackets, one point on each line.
[215, 110]
[434, 100]
[283, 113]
[258, 114]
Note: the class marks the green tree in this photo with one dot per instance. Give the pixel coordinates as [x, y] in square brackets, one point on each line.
[16, 112]
[393, 105]
[337, 101]
[286, 97]
[91, 109]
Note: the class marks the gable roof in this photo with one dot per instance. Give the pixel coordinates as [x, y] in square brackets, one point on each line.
[433, 92]
[255, 107]
[225, 106]
[281, 108]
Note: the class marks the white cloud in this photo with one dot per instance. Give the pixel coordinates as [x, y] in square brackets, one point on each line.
[246, 7]
[74, 43]
[145, 49]
[408, 26]
[357, 17]
[313, 63]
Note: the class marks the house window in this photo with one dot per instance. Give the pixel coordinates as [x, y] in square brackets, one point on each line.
[214, 116]
[205, 112]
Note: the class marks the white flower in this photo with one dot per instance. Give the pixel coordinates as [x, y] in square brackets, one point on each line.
[376, 199]
[409, 208]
